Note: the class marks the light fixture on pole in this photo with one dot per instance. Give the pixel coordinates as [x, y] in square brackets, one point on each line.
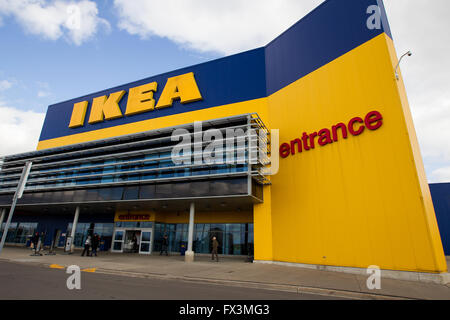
[409, 54]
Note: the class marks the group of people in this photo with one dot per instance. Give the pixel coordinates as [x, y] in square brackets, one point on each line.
[91, 243]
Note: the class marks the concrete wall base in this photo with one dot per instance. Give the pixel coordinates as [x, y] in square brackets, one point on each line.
[189, 256]
[439, 278]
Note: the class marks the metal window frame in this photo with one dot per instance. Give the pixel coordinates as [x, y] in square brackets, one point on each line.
[134, 182]
[55, 151]
[252, 119]
[135, 162]
[107, 156]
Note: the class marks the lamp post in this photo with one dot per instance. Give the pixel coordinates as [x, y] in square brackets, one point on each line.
[409, 54]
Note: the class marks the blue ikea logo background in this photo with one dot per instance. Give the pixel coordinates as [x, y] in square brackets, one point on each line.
[224, 81]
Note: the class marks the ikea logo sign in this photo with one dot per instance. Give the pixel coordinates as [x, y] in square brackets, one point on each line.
[140, 99]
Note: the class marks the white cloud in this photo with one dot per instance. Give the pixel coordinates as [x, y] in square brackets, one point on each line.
[44, 89]
[43, 94]
[223, 26]
[5, 85]
[76, 21]
[441, 175]
[24, 126]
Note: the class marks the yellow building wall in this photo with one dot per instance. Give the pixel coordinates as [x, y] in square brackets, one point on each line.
[363, 200]
[262, 227]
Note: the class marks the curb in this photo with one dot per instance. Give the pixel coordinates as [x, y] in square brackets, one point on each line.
[260, 285]
[436, 278]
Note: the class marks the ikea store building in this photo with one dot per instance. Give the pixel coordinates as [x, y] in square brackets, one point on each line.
[347, 186]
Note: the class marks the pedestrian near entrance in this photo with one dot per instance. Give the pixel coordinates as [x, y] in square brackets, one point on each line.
[95, 243]
[35, 242]
[134, 244]
[215, 247]
[165, 244]
[87, 246]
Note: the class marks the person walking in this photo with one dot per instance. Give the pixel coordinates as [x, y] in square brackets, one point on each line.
[134, 242]
[35, 242]
[87, 245]
[165, 244]
[215, 247]
[95, 244]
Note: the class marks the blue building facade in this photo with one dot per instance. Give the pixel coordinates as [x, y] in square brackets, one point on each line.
[440, 192]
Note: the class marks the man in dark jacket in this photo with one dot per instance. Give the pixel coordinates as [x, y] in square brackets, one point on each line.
[87, 246]
[95, 244]
[35, 241]
[164, 245]
[215, 248]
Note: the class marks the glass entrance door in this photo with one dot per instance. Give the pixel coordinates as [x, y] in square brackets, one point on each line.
[118, 239]
[131, 244]
[146, 241]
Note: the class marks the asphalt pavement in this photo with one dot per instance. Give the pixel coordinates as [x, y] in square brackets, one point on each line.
[31, 282]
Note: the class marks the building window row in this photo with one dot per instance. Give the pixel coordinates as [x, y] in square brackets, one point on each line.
[233, 238]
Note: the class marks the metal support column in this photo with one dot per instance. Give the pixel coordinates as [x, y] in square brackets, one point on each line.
[189, 255]
[74, 228]
[17, 195]
[2, 217]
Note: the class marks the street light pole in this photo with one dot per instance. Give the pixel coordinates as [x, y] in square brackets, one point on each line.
[409, 54]
[17, 195]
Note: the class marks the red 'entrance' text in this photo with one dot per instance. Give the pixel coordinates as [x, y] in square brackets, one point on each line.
[356, 126]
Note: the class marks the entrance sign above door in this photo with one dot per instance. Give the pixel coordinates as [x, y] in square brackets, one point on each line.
[134, 217]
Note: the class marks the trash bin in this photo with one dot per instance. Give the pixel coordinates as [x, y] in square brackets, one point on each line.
[183, 249]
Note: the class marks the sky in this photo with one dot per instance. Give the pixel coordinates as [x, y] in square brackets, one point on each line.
[55, 50]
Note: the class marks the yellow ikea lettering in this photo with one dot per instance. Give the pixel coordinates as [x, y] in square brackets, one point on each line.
[104, 108]
[78, 114]
[181, 87]
[140, 99]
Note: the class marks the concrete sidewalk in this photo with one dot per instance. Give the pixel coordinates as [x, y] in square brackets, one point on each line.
[235, 272]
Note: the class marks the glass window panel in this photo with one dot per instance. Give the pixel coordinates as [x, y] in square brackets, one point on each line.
[147, 192]
[146, 236]
[11, 235]
[131, 193]
[118, 236]
[129, 224]
[146, 224]
[145, 247]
